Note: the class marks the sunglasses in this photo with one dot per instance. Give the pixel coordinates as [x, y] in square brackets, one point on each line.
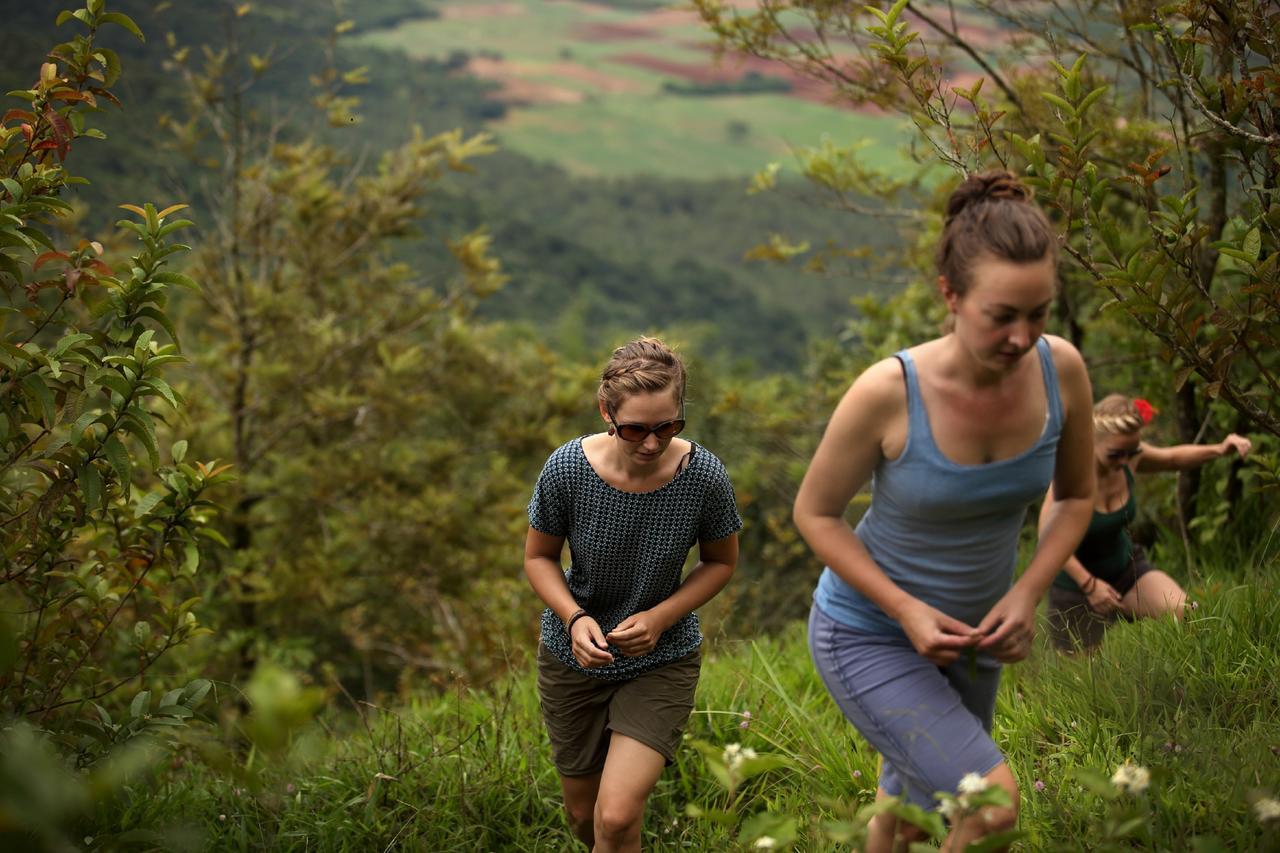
[639, 432]
[1117, 455]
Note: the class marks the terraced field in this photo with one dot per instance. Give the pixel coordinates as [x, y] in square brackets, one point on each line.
[606, 91]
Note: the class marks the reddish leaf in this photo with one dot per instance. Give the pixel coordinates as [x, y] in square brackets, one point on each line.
[61, 127]
[103, 93]
[19, 114]
[49, 256]
[101, 267]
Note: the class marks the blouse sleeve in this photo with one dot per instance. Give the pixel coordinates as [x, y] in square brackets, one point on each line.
[549, 506]
[719, 507]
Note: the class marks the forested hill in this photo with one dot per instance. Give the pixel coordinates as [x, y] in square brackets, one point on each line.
[590, 258]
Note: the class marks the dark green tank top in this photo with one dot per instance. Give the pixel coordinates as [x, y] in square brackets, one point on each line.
[1106, 547]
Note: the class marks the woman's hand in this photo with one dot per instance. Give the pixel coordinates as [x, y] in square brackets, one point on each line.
[1238, 443]
[637, 634]
[1102, 596]
[1008, 629]
[589, 646]
[935, 635]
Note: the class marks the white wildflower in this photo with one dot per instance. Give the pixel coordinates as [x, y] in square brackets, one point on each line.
[765, 842]
[949, 808]
[1131, 778]
[972, 783]
[1267, 809]
[735, 754]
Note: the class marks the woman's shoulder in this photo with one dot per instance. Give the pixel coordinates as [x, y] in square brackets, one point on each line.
[702, 459]
[882, 387]
[566, 457]
[1066, 358]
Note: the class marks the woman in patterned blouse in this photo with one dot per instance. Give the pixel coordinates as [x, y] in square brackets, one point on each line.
[620, 652]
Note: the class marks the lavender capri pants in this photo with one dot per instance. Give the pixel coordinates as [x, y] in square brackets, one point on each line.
[930, 724]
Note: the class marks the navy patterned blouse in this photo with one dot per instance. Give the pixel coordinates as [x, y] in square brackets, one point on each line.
[627, 549]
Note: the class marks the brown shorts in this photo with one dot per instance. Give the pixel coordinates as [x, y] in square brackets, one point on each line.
[1073, 624]
[581, 711]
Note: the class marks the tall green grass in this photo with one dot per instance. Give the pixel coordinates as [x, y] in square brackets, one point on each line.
[1197, 703]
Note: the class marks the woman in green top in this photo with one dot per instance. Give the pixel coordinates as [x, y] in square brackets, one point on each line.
[1108, 577]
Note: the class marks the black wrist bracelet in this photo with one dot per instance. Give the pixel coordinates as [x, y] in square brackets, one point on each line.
[577, 614]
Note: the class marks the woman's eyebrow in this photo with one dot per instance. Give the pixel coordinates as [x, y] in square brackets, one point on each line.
[1004, 307]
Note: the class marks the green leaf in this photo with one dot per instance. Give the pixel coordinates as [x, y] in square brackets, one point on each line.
[193, 694]
[37, 236]
[140, 704]
[123, 20]
[137, 421]
[169, 227]
[1090, 99]
[147, 503]
[1252, 245]
[179, 450]
[1095, 782]
[160, 317]
[68, 341]
[192, 558]
[111, 65]
[34, 383]
[10, 267]
[162, 388]
[90, 486]
[116, 382]
[1243, 257]
[82, 423]
[176, 278]
[780, 827]
[118, 456]
[995, 841]
[1059, 102]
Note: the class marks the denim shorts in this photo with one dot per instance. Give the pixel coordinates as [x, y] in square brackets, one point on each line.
[930, 724]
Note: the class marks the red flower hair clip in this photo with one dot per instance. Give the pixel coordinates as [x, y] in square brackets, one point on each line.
[1145, 410]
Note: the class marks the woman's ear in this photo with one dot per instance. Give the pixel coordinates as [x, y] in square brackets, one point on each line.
[948, 295]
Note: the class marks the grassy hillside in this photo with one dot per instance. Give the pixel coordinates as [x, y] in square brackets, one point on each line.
[469, 770]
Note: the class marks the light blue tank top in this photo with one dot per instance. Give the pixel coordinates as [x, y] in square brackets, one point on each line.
[946, 533]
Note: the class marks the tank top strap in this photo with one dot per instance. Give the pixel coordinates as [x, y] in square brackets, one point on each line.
[917, 417]
[1054, 395]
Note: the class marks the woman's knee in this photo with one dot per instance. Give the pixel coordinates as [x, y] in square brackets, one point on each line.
[995, 819]
[616, 818]
[581, 814]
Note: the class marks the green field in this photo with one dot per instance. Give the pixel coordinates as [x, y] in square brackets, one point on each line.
[580, 99]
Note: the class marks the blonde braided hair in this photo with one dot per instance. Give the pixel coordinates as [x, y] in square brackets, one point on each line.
[1117, 414]
[643, 366]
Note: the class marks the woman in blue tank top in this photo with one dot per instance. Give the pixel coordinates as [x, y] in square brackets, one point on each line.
[918, 607]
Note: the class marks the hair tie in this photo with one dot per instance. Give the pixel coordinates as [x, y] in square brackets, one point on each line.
[1145, 410]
